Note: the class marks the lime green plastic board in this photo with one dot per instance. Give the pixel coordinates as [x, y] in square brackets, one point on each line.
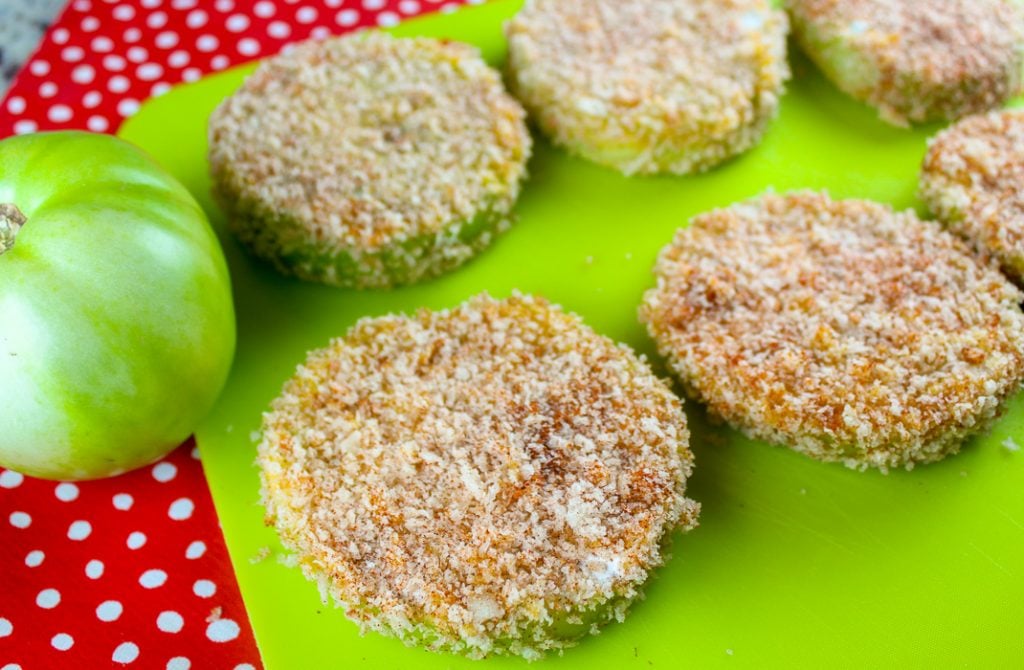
[795, 564]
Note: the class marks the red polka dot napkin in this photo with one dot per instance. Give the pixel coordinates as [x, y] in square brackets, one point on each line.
[133, 571]
[127, 570]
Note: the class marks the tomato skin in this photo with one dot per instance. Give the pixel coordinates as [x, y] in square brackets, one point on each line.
[117, 327]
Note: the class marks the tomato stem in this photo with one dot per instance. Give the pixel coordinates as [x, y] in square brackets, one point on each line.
[11, 221]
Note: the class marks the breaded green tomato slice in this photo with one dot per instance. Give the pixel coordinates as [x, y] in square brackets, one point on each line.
[650, 86]
[492, 479]
[369, 161]
[916, 60]
[842, 329]
[973, 181]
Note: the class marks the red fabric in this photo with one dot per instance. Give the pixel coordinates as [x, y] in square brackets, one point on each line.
[131, 568]
[166, 596]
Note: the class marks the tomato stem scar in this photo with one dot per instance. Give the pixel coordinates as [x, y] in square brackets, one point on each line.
[11, 221]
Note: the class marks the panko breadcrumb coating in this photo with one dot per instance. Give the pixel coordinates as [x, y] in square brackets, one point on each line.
[916, 60]
[492, 479]
[647, 86]
[369, 161]
[842, 329]
[973, 180]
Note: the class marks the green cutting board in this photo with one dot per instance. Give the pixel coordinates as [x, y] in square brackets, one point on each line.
[795, 563]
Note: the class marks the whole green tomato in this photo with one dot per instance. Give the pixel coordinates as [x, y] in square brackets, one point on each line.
[116, 323]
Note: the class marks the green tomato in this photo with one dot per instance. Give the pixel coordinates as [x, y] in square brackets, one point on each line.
[117, 328]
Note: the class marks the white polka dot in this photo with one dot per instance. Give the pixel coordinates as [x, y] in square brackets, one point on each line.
[244, 666]
[224, 5]
[62, 641]
[137, 54]
[195, 550]
[25, 126]
[72, 54]
[263, 9]
[132, 35]
[47, 89]
[179, 663]
[347, 17]
[78, 530]
[109, 610]
[125, 653]
[409, 7]
[20, 519]
[66, 491]
[94, 569]
[247, 46]
[124, 12]
[90, 24]
[152, 579]
[178, 58]
[113, 63]
[102, 44]
[387, 19]
[236, 23]
[306, 15]
[156, 20]
[48, 598]
[204, 588]
[169, 621]
[149, 72]
[222, 630]
[196, 19]
[83, 74]
[373, 4]
[320, 32]
[97, 124]
[181, 509]
[10, 479]
[11, 666]
[183, 4]
[449, 8]
[123, 501]
[166, 40]
[279, 30]
[135, 539]
[39, 68]
[6, 627]
[334, 3]
[191, 74]
[164, 471]
[61, 114]
[60, 35]
[150, 4]
[82, 5]
[159, 89]
[119, 84]
[219, 62]
[34, 558]
[195, 452]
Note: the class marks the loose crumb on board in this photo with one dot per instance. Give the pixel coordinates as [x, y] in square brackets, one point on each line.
[1010, 445]
[262, 554]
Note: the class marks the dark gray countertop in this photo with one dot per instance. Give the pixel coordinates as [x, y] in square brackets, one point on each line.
[22, 24]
